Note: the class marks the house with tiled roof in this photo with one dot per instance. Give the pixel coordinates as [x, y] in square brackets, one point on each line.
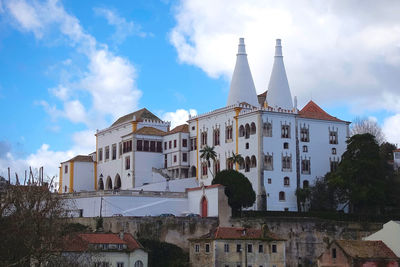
[237, 246]
[343, 253]
[284, 147]
[390, 235]
[105, 249]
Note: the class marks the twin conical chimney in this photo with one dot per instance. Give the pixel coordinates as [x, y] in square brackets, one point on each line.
[242, 84]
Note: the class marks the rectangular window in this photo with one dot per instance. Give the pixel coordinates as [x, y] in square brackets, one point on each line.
[269, 180]
[193, 144]
[66, 169]
[114, 152]
[184, 157]
[120, 149]
[305, 166]
[174, 158]
[184, 142]
[120, 264]
[268, 162]
[127, 163]
[152, 146]
[305, 149]
[304, 134]
[238, 247]
[334, 253]
[226, 247]
[146, 145]
[127, 146]
[159, 146]
[165, 145]
[197, 248]
[249, 248]
[170, 144]
[203, 138]
[334, 164]
[174, 143]
[333, 137]
[207, 248]
[274, 249]
[285, 131]
[260, 248]
[107, 152]
[139, 145]
[100, 156]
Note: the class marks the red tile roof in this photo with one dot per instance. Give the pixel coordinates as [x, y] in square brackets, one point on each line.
[240, 233]
[184, 128]
[366, 249]
[150, 131]
[140, 115]
[81, 242]
[313, 111]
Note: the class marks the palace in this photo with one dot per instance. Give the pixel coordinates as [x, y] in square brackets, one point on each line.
[283, 148]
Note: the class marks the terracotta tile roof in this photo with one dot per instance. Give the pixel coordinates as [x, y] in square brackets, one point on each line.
[184, 128]
[313, 111]
[240, 233]
[366, 249]
[396, 150]
[150, 131]
[140, 114]
[81, 242]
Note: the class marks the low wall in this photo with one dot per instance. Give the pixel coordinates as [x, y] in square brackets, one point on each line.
[306, 238]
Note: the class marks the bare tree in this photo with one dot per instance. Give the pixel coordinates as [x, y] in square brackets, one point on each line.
[365, 125]
[31, 223]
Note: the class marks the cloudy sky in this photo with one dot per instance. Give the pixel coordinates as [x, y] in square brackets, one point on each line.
[68, 68]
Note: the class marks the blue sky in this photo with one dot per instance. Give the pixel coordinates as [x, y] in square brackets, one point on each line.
[68, 68]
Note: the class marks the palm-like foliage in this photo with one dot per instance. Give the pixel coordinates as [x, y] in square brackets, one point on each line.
[236, 159]
[207, 154]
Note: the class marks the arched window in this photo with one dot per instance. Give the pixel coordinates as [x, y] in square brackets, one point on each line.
[216, 137]
[286, 181]
[204, 169]
[306, 184]
[241, 131]
[253, 161]
[267, 129]
[193, 171]
[109, 183]
[117, 182]
[229, 164]
[286, 145]
[217, 167]
[281, 196]
[138, 263]
[247, 130]
[203, 138]
[101, 184]
[65, 189]
[253, 128]
[247, 164]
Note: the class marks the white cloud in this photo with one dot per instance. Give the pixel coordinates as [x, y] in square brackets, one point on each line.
[27, 16]
[334, 50]
[391, 129]
[180, 116]
[123, 28]
[75, 111]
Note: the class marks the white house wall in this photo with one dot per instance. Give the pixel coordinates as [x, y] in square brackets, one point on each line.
[195, 197]
[83, 176]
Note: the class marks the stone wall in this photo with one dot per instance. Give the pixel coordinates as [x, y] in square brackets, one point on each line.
[306, 238]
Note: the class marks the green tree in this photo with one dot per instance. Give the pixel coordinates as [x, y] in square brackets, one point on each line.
[238, 189]
[236, 159]
[303, 195]
[208, 154]
[359, 180]
[163, 254]
[322, 195]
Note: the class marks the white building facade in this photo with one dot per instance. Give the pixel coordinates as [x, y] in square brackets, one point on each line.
[283, 148]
